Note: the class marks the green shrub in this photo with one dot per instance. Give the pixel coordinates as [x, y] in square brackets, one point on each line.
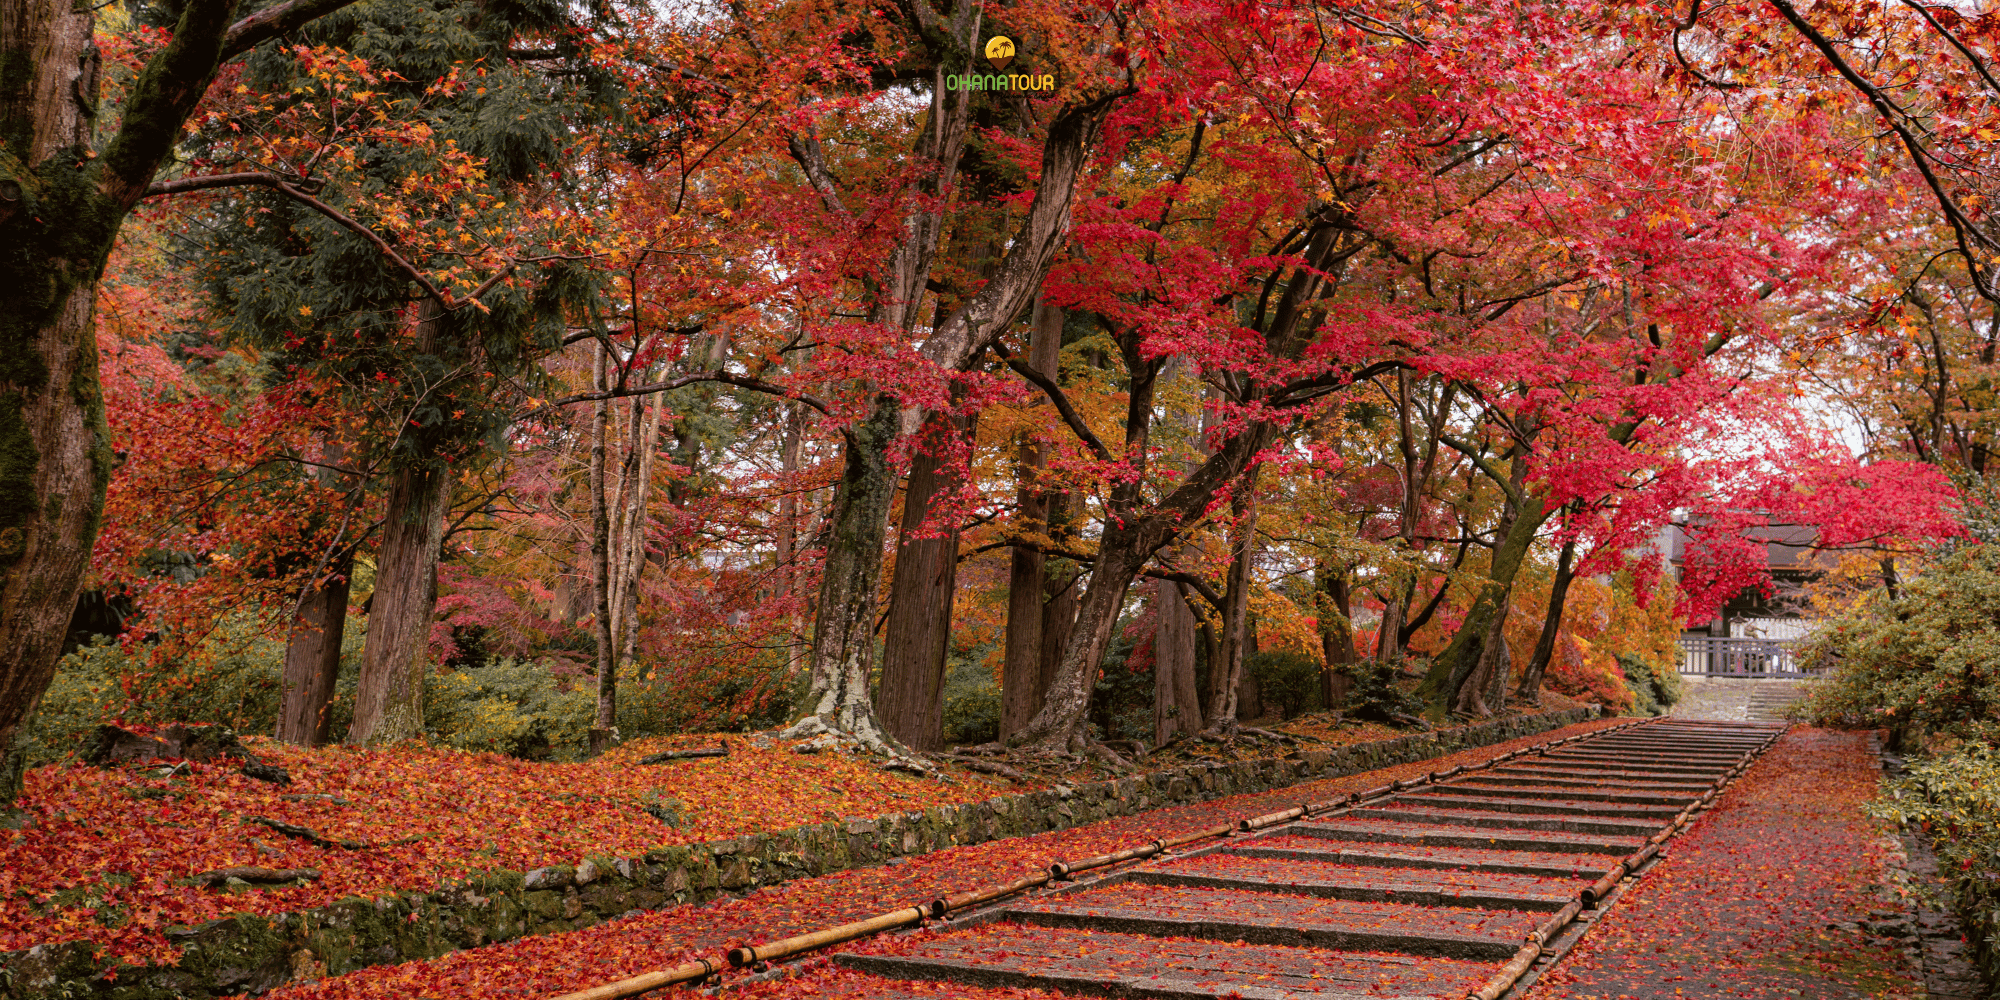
[1927, 663]
[1378, 694]
[233, 680]
[971, 703]
[515, 708]
[1653, 690]
[1289, 681]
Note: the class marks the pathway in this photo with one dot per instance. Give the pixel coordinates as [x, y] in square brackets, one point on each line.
[1729, 699]
[1428, 892]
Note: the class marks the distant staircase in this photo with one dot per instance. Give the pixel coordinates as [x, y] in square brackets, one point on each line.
[1769, 700]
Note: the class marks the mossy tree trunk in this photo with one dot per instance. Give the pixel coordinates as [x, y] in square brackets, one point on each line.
[63, 197]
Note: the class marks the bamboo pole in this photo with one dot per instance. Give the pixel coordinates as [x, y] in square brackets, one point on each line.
[1271, 819]
[691, 972]
[743, 955]
[973, 897]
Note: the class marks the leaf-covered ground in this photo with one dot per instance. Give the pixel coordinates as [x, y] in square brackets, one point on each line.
[107, 852]
[1759, 897]
[111, 855]
[553, 964]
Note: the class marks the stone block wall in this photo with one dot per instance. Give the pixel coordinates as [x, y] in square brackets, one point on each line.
[251, 954]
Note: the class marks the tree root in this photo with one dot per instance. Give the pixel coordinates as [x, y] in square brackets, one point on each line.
[254, 874]
[307, 834]
[984, 766]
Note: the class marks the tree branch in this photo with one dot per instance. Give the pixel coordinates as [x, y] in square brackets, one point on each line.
[1063, 406]
[272, 21]
[286, 186]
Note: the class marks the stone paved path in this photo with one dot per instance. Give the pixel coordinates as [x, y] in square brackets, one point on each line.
[1422, 892]
[1779, 892]
[1725, 699]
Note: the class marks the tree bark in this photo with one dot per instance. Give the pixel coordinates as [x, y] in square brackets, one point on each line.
[1225, 673]
[1336, 634]
[312, 656]
[918, 630]
[635, 525]
[604, 726]
[388, 701]
[1176, 697]
[1026, 667]
[1448, 673]
[844, 628]
[1545, 644]
[791, 443]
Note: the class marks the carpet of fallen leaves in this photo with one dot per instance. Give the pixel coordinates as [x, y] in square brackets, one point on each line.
[548, 965]
[109, 853]
[1760, 896]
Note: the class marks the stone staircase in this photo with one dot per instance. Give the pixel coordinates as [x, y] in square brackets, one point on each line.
[1723, 699]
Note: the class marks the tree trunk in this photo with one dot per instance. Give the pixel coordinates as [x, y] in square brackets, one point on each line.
[843, 653]
[55, 460]
[631, 568]
[1484, 690]
[1060, 596]
[1389, 632]
[388, 703]
[1225, 673]
[790, 443]
[1026, 666]
[1176, 699]
[604, 728]
[1545, 644]
[312, 656]
[1449, 671]
[918, 632]
[1058, 724]
[61, 205]
[1336, 635]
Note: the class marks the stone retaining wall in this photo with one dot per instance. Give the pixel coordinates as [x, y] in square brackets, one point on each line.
[251, 954]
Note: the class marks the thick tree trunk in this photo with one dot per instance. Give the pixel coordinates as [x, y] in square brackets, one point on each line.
[61, 205]
[312, 657]
[1060, 596]
[1176, 696]
[388, 702]
[1448, 673]
[55, 460]
[1545, 644]
[1336, 635]
[1066, 703]
[1484, 690]
[843, 652]
[918, 630]
[1026, 666]
[1389, 631]
[1225, 672]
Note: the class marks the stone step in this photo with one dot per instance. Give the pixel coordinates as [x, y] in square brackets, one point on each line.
[1502, 778]
[1006, 955]
[1570, 823]
[1577, 793]
[1384, 831]
[1256, 917]
[1363, 883]
[1547, 864]
[1610, 777]
[1651, 765]
[1442, 799]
